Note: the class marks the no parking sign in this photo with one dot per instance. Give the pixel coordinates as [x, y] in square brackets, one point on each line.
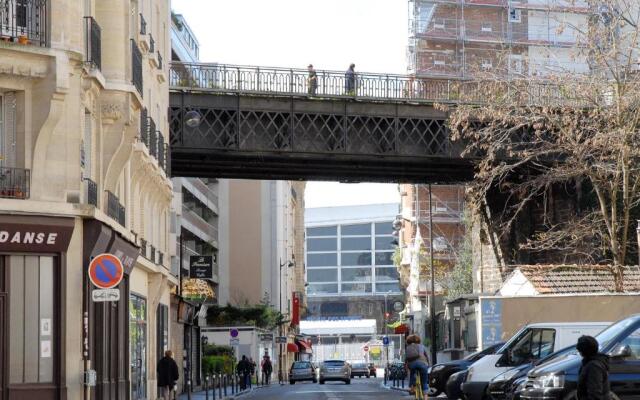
[106, 271]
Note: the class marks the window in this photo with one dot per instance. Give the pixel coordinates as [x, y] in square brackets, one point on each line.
[138, 346]
[387, 274]
[633, 341]
[356, 230]
[486, 27]
[388, 287]
[322, 244]
[486, 64]
[533, 345]
[384, 258]
[162, 331]
[515, 15]
[385, 243]
[354, 259]
[356, 288]
[322, 260]
[384, 228]
[324, 288]
[322, 275]
[439, 61]
[355, 274]
[322, 231]
[356, 243]
[32, 321]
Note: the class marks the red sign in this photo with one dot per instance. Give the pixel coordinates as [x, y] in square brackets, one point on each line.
[295, 314]
[106, 271]
[366, 348]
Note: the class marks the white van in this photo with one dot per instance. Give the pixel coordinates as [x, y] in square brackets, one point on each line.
[531, 343]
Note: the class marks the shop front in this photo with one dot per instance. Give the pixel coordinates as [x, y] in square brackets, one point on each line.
[33, 266]
[107, 327]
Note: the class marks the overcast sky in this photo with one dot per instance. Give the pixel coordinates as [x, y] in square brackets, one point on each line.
[293, 33]
[330, 34]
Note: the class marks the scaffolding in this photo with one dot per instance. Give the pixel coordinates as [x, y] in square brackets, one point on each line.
[461, 38]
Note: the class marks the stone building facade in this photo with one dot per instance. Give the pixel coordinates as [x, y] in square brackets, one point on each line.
[83, 171]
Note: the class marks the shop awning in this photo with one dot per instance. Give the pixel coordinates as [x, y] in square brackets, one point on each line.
[292, 347]
[304, 346]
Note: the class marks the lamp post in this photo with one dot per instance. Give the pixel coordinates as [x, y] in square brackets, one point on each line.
[432, 296]
[288, 264]
[638, 238]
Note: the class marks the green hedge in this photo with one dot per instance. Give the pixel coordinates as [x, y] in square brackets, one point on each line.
[222, 364]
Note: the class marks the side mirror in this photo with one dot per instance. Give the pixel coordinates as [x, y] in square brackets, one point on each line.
[621, 351]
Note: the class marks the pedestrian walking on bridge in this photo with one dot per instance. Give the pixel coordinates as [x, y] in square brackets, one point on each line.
[350, 81]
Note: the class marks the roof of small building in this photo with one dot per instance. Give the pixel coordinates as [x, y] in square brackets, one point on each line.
[566, 279]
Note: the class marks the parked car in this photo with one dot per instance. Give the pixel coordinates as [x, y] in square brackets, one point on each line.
[335, 370]
[372, 370]
[452, 389]
[439, 374]
[302, 371]
[505, 386]
[557, 379]
[531, 343]
[359, 369]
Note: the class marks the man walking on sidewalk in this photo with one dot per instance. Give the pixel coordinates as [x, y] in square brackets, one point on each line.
[167, 375]
[244, 369]
[267, 369]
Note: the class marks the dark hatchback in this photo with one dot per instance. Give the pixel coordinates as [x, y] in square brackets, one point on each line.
[509, 385]
[557, 379]
[439, 374]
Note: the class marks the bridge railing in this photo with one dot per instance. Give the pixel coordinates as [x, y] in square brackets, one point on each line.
[283, 81]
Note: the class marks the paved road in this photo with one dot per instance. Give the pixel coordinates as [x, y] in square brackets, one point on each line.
[360, 389]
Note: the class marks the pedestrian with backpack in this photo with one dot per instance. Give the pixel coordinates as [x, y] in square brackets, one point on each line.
[417, 361]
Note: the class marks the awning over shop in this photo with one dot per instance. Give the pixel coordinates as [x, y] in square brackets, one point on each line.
[304, 346]
[292, 348]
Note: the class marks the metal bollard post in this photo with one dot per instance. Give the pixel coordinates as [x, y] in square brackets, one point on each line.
[206, 387]
[402, 384]
[225, 385]
[213, 386]
[220, 385]
[189, 389]
[233, 384]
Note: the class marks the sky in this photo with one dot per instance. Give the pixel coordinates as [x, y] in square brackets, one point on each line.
[330, 34]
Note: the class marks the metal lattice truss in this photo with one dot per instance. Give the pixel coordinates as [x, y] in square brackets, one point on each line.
[289, 138]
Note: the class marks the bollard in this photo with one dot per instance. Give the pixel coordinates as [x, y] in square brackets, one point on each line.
[220, 385]
[206, 387]
[213, 386]
[233, 384]
[189, 389]
[225, 385]
[402, 384]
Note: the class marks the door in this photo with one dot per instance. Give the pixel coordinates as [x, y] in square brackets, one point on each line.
[624, 373]
[3, 326]
[138, 337]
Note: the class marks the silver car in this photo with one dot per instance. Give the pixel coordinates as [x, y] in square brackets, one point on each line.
[335, 370]
[302, 371]
[360, 369]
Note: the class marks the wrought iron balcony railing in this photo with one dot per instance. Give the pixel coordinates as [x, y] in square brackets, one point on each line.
[373, 86]
[143, 246]
[136, 67]
[25, 21]
[159, 60]
[143, 25]
[167, 159]
[144, 126]
[161, 154]
[152, 44]
[114, 209]
[92, 192]
[93, 43]
[15, 183]
[153, 142]
[152, 253]
[160, 258]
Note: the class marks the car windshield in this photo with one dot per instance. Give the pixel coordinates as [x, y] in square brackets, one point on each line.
[359, 365]
[334, 363]
[301, 365]
[606, 336]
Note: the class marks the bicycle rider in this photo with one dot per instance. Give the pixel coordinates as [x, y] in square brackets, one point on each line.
[417, 361]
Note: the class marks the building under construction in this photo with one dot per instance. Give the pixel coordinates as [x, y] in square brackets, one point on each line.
[459, 38]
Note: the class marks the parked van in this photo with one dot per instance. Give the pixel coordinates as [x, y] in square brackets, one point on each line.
[558, 378]
[531, 343]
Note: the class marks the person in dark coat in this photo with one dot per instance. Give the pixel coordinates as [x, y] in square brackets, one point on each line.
[593, 379]
[244, 370]
[350, 81]
[167, 375]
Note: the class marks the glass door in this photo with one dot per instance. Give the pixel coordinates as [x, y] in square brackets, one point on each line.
[138, 337]
[3, 324]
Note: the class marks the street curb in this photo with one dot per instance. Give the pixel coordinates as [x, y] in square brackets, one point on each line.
[399, 389]
[237, 395]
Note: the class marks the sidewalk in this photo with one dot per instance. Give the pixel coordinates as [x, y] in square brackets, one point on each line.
[201, 395]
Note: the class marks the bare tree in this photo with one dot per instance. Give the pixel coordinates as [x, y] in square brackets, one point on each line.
[575, 127]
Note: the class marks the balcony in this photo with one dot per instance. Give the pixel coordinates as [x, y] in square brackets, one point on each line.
[195, 223]
[143, 247]
[153, 140]
[161, 153]
[152, 44]
[14, 183]
[152, 253]
[115, 210]
[143, 25]
[92, 192]
[159, 61]
[136, 67]
[93, 43]
[24, 21]
[144, 126]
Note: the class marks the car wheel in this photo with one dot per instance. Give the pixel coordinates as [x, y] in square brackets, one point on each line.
[348, 381]
[433, 392]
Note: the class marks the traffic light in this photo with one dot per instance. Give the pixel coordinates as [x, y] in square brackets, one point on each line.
[387, 315]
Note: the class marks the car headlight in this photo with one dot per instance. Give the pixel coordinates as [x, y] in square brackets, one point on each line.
[469, 374]
[548, 381]
[505, 376]
[437, 368]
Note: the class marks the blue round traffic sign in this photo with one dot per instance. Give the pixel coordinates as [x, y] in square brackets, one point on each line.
[234, 333]
[106, 271]
[385, 340]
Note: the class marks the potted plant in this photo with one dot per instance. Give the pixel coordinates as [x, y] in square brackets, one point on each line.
[23, 39]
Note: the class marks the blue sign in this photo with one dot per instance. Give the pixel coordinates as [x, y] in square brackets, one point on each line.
[385, 340]
[491, 322]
